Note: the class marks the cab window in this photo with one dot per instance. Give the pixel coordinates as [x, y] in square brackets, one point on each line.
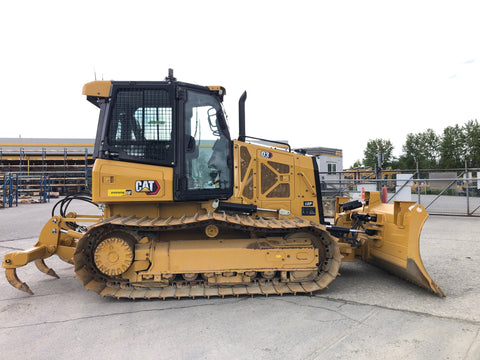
[207, 143]
[141, 125]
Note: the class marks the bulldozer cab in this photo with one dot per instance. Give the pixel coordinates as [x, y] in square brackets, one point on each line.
[170, 124]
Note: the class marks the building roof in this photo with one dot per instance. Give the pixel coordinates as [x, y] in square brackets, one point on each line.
[37, 144]
[319, 151]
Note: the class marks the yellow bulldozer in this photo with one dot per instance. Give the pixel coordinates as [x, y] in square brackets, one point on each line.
[188, 212]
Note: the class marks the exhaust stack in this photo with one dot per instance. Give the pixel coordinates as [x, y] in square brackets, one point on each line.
[241, 117]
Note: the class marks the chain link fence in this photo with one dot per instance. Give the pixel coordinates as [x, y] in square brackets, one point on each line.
[442, 192]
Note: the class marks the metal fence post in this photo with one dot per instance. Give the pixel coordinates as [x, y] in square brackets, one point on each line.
[467, 186]
[418, 185]
[16, 190]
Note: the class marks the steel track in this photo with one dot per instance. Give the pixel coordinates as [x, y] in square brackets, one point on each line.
[93, 280]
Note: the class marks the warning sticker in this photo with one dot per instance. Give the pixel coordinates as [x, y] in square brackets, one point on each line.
[119, 192]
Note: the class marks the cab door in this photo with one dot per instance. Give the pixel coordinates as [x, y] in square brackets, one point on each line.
[204, 169]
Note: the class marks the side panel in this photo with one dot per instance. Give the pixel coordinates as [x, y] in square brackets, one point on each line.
[275, 179]
[199, 256]
[306, 191]
[119, 181]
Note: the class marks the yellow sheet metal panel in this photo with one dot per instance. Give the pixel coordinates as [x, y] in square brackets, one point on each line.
[305, 189]
[275, 179]
[99, 88]
[220, 89]
[119, 181]
[199, 256]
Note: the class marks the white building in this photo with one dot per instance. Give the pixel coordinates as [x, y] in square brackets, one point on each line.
[330, 161]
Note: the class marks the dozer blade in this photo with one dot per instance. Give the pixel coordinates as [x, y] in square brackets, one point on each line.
[395, 245]
[399, 249]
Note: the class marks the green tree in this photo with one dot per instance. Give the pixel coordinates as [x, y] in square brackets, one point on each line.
[423, 147]
[356, 164]
[471, 131]
[371, 152]
[452, 148]
[411, 151]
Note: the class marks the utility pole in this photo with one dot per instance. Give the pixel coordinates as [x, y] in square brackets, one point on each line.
[379, 169]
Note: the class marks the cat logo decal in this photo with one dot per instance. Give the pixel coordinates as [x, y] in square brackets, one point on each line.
[150, 187]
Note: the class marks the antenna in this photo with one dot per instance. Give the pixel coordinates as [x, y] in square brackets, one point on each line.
[94, 73]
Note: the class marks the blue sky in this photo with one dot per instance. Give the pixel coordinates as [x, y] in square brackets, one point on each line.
[317, 73]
